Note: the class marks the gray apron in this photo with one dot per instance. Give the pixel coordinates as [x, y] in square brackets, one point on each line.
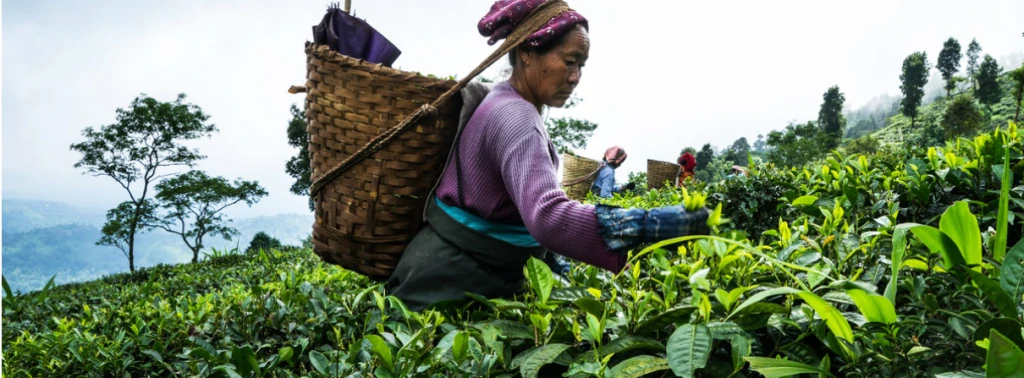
[447, 259]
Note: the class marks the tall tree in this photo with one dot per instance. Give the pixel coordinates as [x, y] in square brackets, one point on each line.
[1018, 90]
[298, 166]
[759, 144]
[147, 137]
[796, 145]
[569, 133]
[704, 156]
[195, 203]
[961, 118]
[830, 117]
[949, 63]
[973, 51]
[739, 150]
[913, 79]
[989, 92]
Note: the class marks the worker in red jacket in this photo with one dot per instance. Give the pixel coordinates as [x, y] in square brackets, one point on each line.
[687, 164]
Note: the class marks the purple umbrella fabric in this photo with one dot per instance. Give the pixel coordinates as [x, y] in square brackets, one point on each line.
[354, 37]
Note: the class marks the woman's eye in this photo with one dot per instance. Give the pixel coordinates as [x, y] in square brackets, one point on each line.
[570, 62]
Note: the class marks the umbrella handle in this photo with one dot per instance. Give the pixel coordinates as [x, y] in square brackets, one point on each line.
[348, 6]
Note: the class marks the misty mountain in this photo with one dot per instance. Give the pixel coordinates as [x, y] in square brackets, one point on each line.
[43, 238]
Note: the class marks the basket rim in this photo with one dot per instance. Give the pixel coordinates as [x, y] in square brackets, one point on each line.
[325, 53]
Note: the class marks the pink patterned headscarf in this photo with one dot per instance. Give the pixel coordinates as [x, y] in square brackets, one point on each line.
[505, 15]
[615, 156]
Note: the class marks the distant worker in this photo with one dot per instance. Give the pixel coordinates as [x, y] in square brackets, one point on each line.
[605, 186]
[687, 164]
[737, 171]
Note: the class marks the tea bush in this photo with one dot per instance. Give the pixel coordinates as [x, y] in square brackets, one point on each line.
[888, 264]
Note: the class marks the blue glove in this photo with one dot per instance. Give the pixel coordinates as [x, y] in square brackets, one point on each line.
[623, 228]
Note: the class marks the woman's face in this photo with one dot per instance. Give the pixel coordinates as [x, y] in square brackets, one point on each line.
[553, 76]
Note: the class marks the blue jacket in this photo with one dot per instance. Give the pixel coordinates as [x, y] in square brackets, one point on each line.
[605, 186]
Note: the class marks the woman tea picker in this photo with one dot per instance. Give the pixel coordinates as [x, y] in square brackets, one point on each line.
[605, 186]
[499, 202]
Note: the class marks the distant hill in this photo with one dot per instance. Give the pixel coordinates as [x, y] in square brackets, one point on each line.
[23, 215]
[42, 239]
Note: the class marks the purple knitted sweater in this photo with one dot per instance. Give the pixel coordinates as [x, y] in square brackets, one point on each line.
[509, 176]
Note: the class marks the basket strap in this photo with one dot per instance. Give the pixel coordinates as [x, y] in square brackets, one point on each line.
[583, 178]
[537, 18]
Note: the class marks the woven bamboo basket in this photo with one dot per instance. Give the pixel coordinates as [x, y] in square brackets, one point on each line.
[379, 139]
[660, 171]
[366, 217]
[578, 175]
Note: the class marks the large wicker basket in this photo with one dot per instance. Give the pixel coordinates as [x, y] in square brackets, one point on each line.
[658, 172]
[378, 140]
[578, 175]
[366, 217]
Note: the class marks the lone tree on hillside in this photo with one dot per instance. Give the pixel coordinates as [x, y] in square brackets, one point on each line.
[949, 63]
[973, 51]
[298, 166]
[262, 241]
[830, 117]
[961, 117]
[146, 138]
[913, 79]
[194, 202]
[1018, 90]
[989, 92]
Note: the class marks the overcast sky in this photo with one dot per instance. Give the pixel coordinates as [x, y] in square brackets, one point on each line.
[662, 75]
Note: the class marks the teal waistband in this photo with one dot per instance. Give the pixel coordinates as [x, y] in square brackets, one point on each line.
[512, 234]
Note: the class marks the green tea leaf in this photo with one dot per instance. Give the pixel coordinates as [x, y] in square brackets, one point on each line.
[228, 370]
[245, 361]
[508, 329]
[319, 362]
[460, 346]
[762, 296]
[805, 201]
[999, 249]
[637, 367]
[1004, 359]
[962, 227]
[899, 249]
[833, 318]
[590, 306]
[938, 242]
[874, 307]
[381, 349]
[541, 279]
[688, 349]
[1011, 277]
[285, 354]
[629, 343]
[153, 354]
[543, 355]
[777, 368]
[1010, 328]
[665, 319]
[994, 294]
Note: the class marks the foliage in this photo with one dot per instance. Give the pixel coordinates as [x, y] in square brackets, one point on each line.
[569, 133]
[1018, 90]
[913, 79]
[864, 145]
[298, 166]
[264, 242]
[737, 152]
[704, 158]
[147, 137]
[989, 92]
[962, 118]
[797, 145]
[830, 116]
[639, 179]
[760, 145]
[949, 62]
[123, 222]
[973, 51]
[194, 203]
[871, 266]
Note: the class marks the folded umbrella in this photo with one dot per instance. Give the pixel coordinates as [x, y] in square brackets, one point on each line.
[354, 37]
